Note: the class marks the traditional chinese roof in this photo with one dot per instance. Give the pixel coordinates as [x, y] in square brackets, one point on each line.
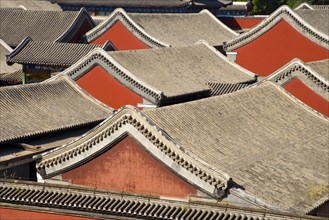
[136, 3]
[314, 74]
[8, 74]
[321, 67]
[39, 25]
[4, 68]
[95, 203]
[312, 24]
[159, 30]
[270, 144]
[43, 108]
[167, 74]
[43, 5]
[305, 5]
[51, 53]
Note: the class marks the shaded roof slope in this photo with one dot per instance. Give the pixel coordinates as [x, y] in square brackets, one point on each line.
[182, 70]
[184, 29]
[267, 142]
[321, 67]
[4, 68]
[49, 53]
[39, 25]
[35, 109]
[43, 5]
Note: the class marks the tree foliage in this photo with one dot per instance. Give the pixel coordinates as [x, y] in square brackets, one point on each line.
[265, 7]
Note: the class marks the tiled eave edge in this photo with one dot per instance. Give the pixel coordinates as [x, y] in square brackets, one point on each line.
[17, 50]
[120, 15]
[74, 27]
[296, 68]
[129, 121]
[95, 203]
[284, 12]
[101, 58]
[65, 127]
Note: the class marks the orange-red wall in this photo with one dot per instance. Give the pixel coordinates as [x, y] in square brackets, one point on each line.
[277, 47]
[15, 214]
[129, 167]
[108, 90]
[308, 96]
[237, 23]
[121, 38]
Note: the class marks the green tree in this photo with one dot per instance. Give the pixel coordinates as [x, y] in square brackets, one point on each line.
[264, 7]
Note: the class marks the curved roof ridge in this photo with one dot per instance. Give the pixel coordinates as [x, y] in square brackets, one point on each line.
[100, 57]
[219, 54]
[205, 11]
[129, 120]
[284, 12]
[119, 14]
[297, 64]
[18, 48]
[303, 6]
[82, 13]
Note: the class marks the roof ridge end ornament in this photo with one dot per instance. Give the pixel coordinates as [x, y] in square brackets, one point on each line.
[119, 14]
[17, 49]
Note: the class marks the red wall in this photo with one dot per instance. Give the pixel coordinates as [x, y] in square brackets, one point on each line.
[129, 167]
[108, 90]
[308, 96]
[15, 214]
[121, 38]
[277, 47]
[237, 23]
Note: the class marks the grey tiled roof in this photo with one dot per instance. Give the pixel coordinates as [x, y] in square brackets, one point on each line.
[43, 5]
[39, 25]
[182, 70]
[125, 3]
[40, 108]
[321, 67]
[11, 78]
[317, 18]
[184, 29]
[4, 68]
[270, 144]
[104, 204]
[50, 53]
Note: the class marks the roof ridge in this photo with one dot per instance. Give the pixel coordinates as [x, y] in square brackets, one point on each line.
[161, 146]
[284, 12]
[82, 14]
[219, 54]
[107, 203]
[119, 14]
[124, 76]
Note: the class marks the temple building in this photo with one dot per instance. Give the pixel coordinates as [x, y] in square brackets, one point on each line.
[158, 77]
[41, 60]
[199, 149]
[51, 26]
[41, 116]
[130, 31]
[284, 35]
